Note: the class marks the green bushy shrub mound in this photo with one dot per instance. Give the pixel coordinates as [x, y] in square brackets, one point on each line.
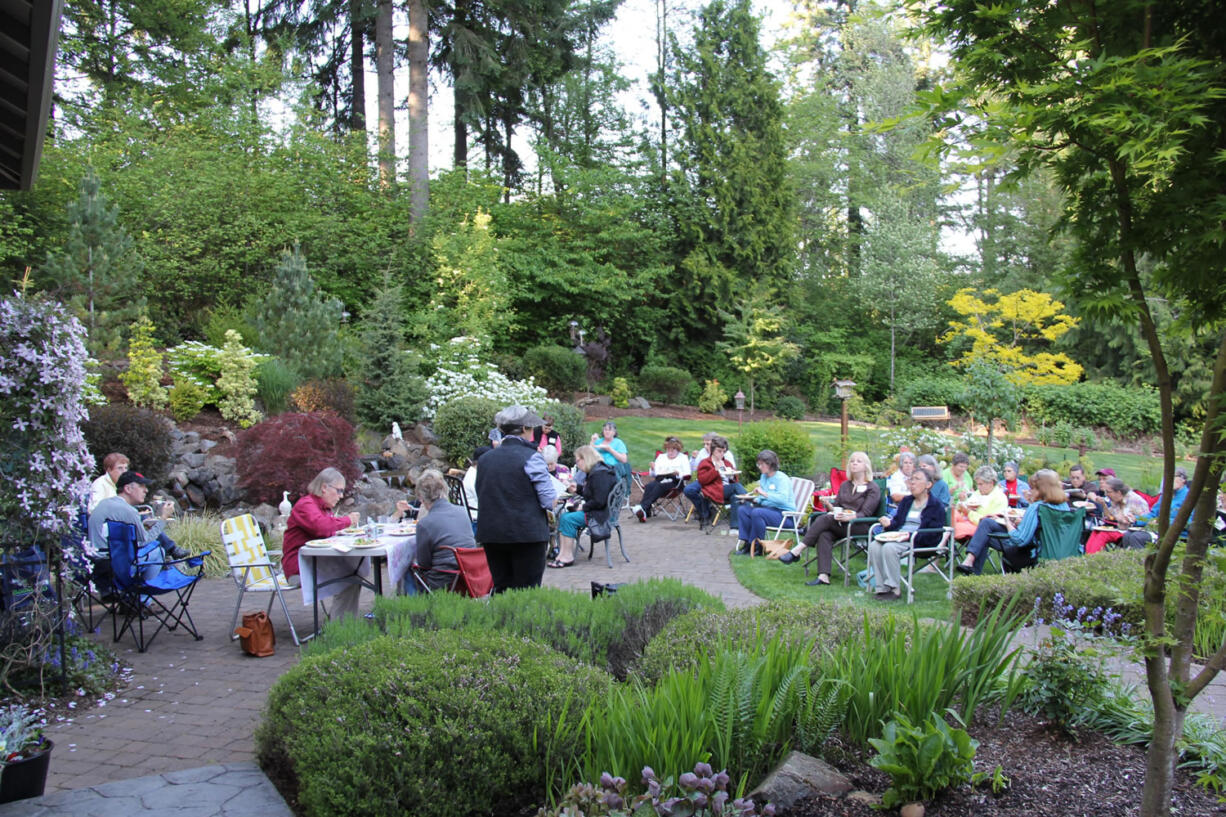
[790, 408]
[664, 384]
[434, 723]
[1125, 410]
[555, 368]
[683, 641]
[136, 432]
[610, 632]
[797, 454]
[463, 425]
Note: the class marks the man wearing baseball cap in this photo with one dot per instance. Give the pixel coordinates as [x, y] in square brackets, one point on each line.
[514, 492]
[132, 488]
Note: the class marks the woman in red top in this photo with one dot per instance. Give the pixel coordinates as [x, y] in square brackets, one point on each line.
[717, 476]
[312, 518]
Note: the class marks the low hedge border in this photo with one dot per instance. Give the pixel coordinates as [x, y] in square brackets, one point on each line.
[609, 632]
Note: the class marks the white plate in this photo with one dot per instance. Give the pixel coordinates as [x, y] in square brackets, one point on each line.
[365, 543]
[893, 536]
[404, 531]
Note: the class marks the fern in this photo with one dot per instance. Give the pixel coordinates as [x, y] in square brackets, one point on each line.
[824, 705]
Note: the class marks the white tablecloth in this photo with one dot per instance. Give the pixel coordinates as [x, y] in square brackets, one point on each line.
[333, 564]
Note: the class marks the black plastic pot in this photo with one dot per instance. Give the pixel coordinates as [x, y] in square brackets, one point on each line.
[26, 777]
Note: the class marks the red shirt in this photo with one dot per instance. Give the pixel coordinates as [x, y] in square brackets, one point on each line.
[711, 480]
[308, 520]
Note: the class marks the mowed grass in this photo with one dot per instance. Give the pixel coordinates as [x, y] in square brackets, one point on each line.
[645, 435]
[771, 579]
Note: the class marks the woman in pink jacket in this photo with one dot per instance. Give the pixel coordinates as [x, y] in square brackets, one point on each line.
[312, 518]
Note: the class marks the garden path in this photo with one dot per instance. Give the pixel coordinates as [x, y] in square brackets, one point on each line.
[191, 704]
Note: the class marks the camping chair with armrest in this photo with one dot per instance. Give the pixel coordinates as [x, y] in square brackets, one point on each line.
[802, 497]
[139, 596]
[919, 559]
[471, 577]
[1058, 537]
[856, 543]
[837, 477]
[616, 496]
[252, 569]
[669, 503]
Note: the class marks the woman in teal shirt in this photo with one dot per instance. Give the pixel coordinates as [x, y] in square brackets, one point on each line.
[613, 451]
[771, 498]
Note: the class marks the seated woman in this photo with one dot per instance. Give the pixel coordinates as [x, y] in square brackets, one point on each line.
[769, 499]
[858, 498]
[1047, 490]
[560, 474]
[600, 481]
[613, 451]
[439, 525]
[312, 518]
[988, 501]
[917, 511]
[956, 476]
[670, 469]
[1014, 486]
[896, 484]
[716, 483]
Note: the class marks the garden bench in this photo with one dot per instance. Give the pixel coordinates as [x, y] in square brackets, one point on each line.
[930, 414]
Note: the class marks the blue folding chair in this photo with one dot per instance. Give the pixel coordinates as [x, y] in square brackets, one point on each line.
[140, 585]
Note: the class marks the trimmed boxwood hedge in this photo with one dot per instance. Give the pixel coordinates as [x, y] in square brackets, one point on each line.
[681, 643]
[440, 723]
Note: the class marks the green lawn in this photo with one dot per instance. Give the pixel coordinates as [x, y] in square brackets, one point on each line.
[772, 579]
[644, 435]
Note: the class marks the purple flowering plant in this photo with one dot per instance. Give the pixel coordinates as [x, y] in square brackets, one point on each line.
[43, 456]
[701, 793]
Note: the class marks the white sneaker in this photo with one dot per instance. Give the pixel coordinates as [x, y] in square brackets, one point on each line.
[640, 513]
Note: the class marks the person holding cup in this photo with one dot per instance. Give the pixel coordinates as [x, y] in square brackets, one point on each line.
[859, 497]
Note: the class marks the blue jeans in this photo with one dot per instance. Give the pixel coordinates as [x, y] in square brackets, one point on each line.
[755, 519]
[731, 489]
[982, 540]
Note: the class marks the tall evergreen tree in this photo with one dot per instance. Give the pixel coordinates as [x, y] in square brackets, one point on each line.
[734, 202]
[97, 272]
[297, 324]
[389, 388]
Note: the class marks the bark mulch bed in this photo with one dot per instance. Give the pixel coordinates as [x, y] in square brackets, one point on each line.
[1049, 774]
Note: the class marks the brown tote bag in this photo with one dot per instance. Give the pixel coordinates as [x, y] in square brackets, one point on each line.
[256, 635]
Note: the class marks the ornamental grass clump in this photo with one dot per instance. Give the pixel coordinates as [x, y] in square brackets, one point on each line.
[916, 670]
[442, 723]
[738, 708]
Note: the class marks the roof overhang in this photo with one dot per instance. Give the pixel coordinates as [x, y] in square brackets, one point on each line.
[29, 31]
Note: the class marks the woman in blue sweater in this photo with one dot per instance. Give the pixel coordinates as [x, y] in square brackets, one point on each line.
[770, 499]
[1045, 489]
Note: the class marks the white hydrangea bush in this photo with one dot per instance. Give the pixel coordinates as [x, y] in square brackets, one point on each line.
[459, 371]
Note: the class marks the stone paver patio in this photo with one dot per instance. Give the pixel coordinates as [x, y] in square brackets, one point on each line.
[182, 731]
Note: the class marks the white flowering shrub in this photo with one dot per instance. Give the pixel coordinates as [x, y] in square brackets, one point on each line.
[460, 372]
[920, 440]
[1002, 451]
[43, 455]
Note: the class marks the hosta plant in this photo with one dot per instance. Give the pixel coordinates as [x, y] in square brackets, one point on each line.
[924, 760]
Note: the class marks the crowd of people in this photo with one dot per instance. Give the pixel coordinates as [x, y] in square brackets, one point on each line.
[528, 510]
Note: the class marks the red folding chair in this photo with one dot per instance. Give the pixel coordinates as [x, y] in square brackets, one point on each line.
[837, 477]
[472, 578]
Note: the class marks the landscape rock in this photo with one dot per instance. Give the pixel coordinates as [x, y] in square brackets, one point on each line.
[266, 515]
[423, 434]
[193, 460]
[638, 403]
[436, 453]
[797, 777]
[865, 797]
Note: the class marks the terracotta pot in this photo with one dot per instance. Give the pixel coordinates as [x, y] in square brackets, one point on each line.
[26, 777]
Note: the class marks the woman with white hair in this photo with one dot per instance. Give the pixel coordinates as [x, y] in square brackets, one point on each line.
[440, 526]
[312, 518]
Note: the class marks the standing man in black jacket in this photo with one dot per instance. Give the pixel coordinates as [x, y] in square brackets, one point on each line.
[514, 491]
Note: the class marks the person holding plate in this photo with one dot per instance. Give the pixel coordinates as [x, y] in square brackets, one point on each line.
[1046, 489]
[988, 501]
[764, 505]
[312, 518]
[440, 526]
[918, 511]
[858, 498]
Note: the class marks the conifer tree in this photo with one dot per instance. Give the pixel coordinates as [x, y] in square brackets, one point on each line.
[97, 272]
[735, 205]
[297, 323]
[389, 388]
